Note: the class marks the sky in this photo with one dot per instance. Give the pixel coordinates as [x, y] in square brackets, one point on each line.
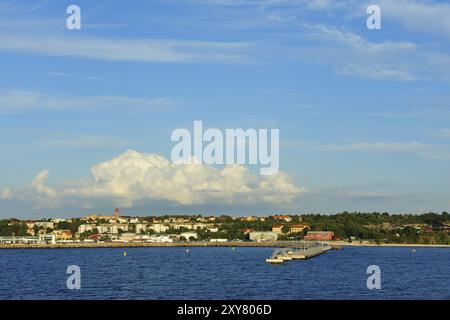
[86, 115]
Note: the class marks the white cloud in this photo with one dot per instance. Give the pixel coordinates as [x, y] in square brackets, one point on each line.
[420, 16]
[137, 50]
[376, 146]
[444, 133]
[423, 150]
[38, 185]
[308, 4]
[138, 178]
[83, 142]
[348, 53]
[23, 100]
[6, 193]
[378, 72]
[352, 55]
[69, 75]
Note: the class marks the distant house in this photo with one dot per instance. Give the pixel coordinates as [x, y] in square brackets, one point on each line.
[298, 228]
[30, 227]
[284, 218]
[248, 230]
[45, 224]
[62, 234]
[94, 237]
[320, 235]
[277, 228]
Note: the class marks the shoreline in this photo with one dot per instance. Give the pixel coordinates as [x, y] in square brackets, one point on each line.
[334, 244]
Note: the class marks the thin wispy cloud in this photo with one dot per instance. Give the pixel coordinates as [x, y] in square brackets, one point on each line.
[440, 134]
[36, 7]
[423, 150]
[68, 75]
[426, 17]
[349, 54]
[24, 100]
[131, 50]
[83, 142]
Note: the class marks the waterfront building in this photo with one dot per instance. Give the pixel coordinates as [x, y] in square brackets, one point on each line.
[127, 236]
[320, 235]
[261, 236]
[218, 240]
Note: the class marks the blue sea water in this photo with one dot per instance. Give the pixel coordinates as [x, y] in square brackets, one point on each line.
[221, 273]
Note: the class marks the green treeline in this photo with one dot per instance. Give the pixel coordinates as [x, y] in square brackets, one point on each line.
[429, 228]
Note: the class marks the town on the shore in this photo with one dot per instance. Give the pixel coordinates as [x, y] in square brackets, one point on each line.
[378, 228]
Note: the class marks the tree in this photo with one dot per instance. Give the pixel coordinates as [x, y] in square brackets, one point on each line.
[285, 229]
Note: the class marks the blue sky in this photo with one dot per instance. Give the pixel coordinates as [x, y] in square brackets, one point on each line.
[363, 114]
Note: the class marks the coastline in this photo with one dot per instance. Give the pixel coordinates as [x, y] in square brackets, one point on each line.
[79, 245]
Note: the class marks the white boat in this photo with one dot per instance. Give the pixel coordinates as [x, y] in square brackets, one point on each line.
[274, 260]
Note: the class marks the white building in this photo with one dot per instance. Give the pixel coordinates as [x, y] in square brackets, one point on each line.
[189, 235]
[157, 239]
[45, 224]
[263, 236]
[127, 236]
[158, 227]
[86, 227]
[141, 227]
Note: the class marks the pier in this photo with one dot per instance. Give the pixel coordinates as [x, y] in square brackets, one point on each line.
[298, 250]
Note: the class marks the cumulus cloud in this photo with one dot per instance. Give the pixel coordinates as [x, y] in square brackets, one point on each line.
[38, 184]
[139, 178]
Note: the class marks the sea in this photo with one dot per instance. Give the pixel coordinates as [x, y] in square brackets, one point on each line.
[223, 273]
